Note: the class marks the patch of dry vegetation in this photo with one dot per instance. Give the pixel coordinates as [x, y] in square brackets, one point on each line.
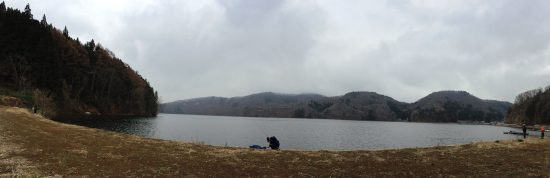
[10, 165]
[32, 145]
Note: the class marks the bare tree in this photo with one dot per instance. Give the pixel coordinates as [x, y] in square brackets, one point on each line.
[45, 103]
[20, 68]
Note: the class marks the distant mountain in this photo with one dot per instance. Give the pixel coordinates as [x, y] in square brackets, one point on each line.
[531, 107]
[355, 105]
[444, 106]
[500, 106]
[257, 105]
[365, 106]
[451, 106]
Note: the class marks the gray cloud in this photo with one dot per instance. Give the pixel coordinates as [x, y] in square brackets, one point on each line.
[405, 49]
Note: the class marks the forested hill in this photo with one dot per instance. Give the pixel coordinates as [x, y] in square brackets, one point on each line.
[353, 105]
[531, 107]
[443, 106]
[452, 106]
[62, 76]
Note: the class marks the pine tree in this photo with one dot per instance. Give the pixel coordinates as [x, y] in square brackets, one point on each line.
[2, 7]
[43, 21]
[64, 76]
[90, 46]
[28, 11]
[66, 32]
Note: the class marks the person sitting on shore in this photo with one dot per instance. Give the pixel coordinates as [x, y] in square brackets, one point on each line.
[273, 142]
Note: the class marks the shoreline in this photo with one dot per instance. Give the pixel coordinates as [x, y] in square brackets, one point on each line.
[35, 146]
[366, 146]
[501, 124]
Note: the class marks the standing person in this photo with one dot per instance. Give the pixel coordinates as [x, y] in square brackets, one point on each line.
[541, 132]
[524, 127]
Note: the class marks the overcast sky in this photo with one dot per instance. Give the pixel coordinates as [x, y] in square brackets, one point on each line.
[494, 49]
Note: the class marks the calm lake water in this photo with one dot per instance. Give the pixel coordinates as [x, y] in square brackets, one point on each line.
[300, 134]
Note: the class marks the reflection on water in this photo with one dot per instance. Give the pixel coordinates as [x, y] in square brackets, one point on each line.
[141, 126]
[302, 134]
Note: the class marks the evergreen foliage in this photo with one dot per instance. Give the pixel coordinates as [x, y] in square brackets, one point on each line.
[44, 22]
[66, 32]
[76, 78]
[2, 7]
[27, 11]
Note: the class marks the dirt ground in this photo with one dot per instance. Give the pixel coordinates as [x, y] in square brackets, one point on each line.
[31, 146]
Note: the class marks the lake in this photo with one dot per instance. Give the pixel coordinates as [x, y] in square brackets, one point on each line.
[299, 134]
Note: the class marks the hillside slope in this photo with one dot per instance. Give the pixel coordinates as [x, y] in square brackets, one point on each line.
[257, 105]
[531, 107]
[451, 106]
[366, 106]
[354, 105]
[62, 76]
[444, 106]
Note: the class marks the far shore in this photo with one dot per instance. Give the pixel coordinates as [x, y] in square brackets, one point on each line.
[31, 145]
[465, 122]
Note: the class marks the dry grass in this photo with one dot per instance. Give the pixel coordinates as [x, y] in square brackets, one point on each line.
[32, 145]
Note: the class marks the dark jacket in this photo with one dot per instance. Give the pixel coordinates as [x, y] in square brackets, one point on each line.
[273, 142]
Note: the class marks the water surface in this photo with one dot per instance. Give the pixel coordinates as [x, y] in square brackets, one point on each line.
[301, 134]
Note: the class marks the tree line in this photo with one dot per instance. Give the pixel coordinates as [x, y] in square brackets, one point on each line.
[531, 107]
[64, 75]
